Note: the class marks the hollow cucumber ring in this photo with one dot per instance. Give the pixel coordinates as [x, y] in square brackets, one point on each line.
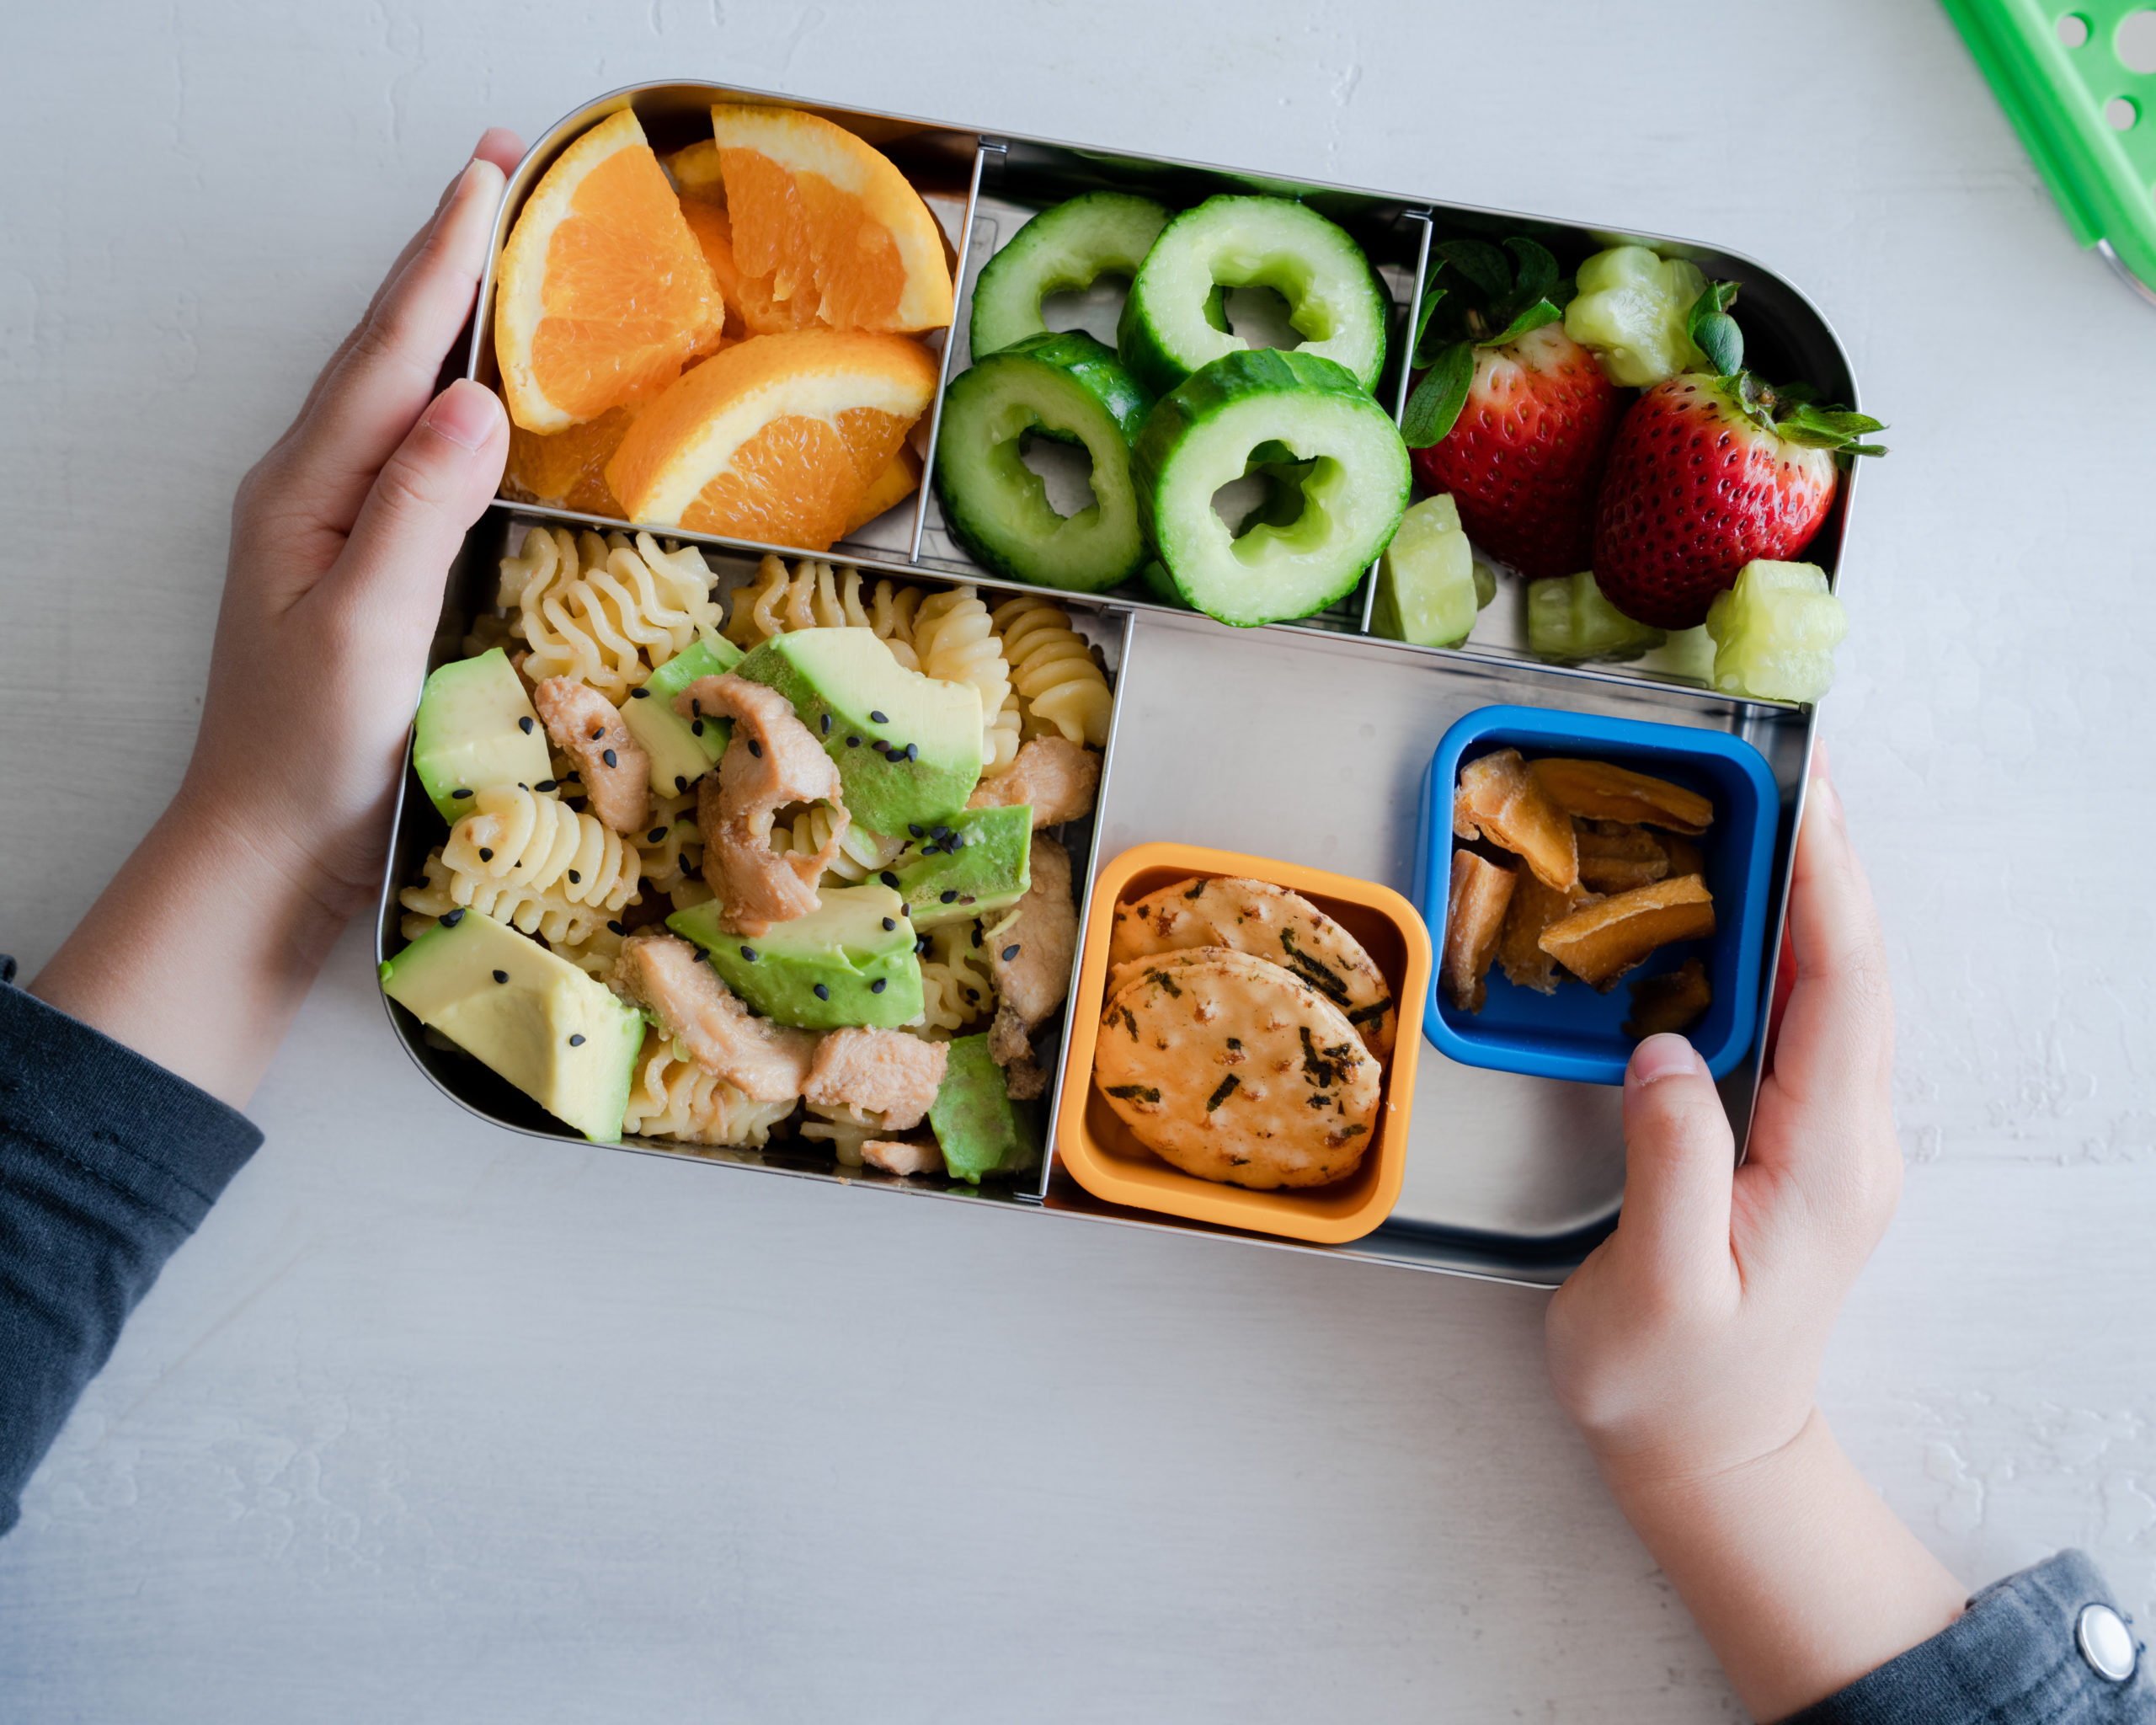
[1069, 246]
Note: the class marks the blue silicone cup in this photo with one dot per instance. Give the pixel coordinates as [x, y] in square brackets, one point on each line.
[1575, 1032]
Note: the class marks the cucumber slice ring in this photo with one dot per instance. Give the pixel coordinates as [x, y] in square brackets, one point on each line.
[1214, 427]
[1334, 301]
[1069, 246]
[1068, 386]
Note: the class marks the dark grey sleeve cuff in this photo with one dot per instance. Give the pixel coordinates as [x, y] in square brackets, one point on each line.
[108, 1162]
[2015, 1657]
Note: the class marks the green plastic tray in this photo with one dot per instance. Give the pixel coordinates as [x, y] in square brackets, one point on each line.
[2086, 114]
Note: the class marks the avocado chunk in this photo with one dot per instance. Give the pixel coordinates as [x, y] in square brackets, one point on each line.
[848, 961]
[476, 729]
[973, 864]
[979, 1129]
[558, 1035]
[908, 747]
[682, 750]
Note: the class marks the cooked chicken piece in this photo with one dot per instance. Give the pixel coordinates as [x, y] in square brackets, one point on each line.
[886, 1073]
[767, 1062]
[587, 727]
[772, 761]
[1057, 776]
[894, 1156]
[1024, 1077]
[1031, 960]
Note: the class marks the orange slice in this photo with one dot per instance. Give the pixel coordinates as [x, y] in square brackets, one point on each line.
[604, 289]
[750, 310]
[778, 439]
[887, 491]
[567, 469]
[815, 212]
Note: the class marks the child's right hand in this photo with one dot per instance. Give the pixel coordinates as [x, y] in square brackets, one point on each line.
[1688, 1346]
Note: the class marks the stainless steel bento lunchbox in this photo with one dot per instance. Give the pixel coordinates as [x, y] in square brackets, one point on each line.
[1307, 741]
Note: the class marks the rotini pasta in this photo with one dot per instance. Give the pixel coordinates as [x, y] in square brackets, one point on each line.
[672, 1096]
[814, 595]
[542, 845]
[956, 986]
[1053, 671]
[606, 611]
[861, 852]
[842, 1130]
[955, 639]
[594, 954]
[548, 915]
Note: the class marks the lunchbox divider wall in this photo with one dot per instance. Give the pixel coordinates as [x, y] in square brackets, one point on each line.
[982, 149]
[1403, 360]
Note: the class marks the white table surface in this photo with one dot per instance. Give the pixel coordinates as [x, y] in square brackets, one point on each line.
[431, 1422]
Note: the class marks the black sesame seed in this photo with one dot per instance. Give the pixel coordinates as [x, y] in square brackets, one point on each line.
[451, 918]
[910, 828]
[950, 898]
[977, 934]
[876, 987]
[756, 748]
[905, 910]
[853, 742]
[607, 756]
[680, 783]
[695, 707]
[597, 732]
[460, 792]
[1009, 953]
[695, 726]
[749, 954]
[547, 785]
[612, 927]
[639, 694]
[920, 946]
[656, 836]
[913, 751]
[524, 725]
[822, 992]
[576, 1042]
[880, 746]
[486, 855]
[941, 832]
[826, 722]
[501, 976]
[890, 923]
[955, 843]
[876, 718]
[575, 878]
[889, 879]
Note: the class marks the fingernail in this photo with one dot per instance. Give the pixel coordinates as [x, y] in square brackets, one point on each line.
[1826, 799]
[466, 413]
[1664, 1057]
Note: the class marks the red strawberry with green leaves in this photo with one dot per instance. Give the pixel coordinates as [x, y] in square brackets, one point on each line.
[1711, 469]
[1511, 415]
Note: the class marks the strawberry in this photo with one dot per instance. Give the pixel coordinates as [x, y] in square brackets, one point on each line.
[1711, 470]
[1512, 417]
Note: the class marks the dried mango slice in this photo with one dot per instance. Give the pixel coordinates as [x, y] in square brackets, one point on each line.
[1595, 790]
[1474, 919]
[1535, 908]
[1675, 1002]
[1500, 800]
[1685, 857]
[1616, 857]
[1600, 943]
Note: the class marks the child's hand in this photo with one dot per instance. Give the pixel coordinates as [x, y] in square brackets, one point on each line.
[342, 538]
[1688, 1346]
[1689, 1342]
[202, 948]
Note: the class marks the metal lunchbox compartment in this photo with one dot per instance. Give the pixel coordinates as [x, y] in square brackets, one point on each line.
[1305, 742]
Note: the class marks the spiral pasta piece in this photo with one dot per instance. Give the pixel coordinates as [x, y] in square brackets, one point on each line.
[541, 845]
[861, 852]
[443, 890]
[595, 955]
[957, 986]
[606, 611]
[955, 638]
[815, 595]
[1053, 670]
[672, 1096]
[840, 1128]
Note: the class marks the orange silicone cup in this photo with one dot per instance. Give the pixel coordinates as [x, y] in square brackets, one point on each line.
[1098, 1149]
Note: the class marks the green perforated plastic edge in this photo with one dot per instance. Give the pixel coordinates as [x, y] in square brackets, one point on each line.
[2058, 73]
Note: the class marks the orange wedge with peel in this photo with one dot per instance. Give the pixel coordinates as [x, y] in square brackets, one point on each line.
[567, 469]
[778, 440]
[604, 291]
[817, 216]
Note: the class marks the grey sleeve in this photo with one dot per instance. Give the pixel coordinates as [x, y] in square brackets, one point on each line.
[2022, 1655]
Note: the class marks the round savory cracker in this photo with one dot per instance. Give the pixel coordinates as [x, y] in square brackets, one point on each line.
[1231, 1069]
[1267, 921]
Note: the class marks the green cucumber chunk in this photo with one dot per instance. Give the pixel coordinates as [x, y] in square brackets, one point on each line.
[476, 729]
[1067, 387]
[1334, 299]
[1218, 424]
[1068, 247]
[682, 750]
[1569, 622]
[1631, 310]
[1775, 630]
[1430, 588]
